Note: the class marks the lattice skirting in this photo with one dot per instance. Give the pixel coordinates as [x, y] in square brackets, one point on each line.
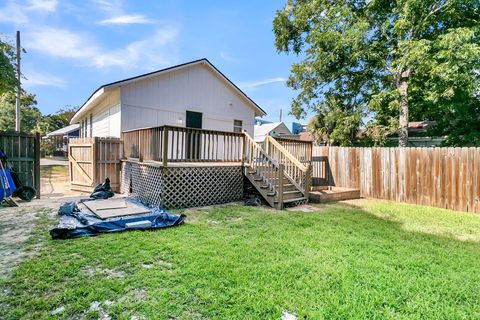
[182, 187]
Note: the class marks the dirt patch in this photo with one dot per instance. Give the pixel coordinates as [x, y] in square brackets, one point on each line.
[54, 183]
[108, 273]
[16, 225]
[303, 208]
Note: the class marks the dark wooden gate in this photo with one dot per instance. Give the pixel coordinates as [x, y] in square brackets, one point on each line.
[23, 151]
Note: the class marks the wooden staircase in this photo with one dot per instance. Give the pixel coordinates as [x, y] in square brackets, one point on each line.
[278, 176]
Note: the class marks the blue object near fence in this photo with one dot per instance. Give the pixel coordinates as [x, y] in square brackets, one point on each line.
[6, 190]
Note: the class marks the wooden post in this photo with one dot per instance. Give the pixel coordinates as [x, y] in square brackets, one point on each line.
[37, 164]
[280, 186]
[308, 180]
[243, 150]
[267, 145]
[165, 147]
[95, 162]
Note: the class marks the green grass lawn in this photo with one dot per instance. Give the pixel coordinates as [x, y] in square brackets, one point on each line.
[363, 260]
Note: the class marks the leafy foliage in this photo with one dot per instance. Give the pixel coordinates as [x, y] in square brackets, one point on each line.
[8, 79]
[30, 114]
[375, 57]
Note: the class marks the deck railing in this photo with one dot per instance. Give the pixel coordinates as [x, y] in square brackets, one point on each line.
[298, 173]
[302, 150]
[177, 144]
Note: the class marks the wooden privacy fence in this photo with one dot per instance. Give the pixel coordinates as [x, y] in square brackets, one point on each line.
[23, 151]
[441, 177]
[174, 144]
[92, 160]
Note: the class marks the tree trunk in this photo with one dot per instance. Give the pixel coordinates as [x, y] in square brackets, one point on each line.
[402, 86]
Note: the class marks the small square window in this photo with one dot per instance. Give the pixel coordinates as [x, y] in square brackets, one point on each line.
[237, 125]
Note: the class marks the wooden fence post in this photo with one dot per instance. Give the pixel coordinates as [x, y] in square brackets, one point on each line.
[308, 182]
[37, 164]
[95, 161]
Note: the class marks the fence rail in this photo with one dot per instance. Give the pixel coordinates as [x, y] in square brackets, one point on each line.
[441, 177]
[174, 144]
[23, 151]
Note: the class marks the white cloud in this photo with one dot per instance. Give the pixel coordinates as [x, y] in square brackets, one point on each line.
[259, 83]
[44, 5]
[110, 6]
[59, 43]
[42, 79]
[21, 14]
[227, 57]
[117, 15]
[127, 19]
[14, 13]
[149, 52]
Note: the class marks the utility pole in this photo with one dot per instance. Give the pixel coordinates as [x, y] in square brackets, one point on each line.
[281, 115]
[17, 107]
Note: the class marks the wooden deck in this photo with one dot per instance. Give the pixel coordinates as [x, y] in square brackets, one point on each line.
[159, 164]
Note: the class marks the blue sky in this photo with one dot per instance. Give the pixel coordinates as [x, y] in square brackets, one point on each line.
[75, 46]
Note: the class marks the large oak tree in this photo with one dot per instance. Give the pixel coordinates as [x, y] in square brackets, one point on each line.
[384, 60]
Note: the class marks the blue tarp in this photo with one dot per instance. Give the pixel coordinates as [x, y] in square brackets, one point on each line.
[5, 191]
[76, 222]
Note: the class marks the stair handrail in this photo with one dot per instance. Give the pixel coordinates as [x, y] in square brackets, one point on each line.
[270, 176]
[295, 171]
[286, 153]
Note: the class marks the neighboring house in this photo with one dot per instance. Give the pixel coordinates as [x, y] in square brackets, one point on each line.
[59, 139]
[417, 135]
[297, 128]
[194, 94]
[275, 129]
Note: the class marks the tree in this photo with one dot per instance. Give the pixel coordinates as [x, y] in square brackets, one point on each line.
[384, 58]
[31, 116]
[8, 78]
[60, 119]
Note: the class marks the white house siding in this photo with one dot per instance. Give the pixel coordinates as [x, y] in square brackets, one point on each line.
[106, 119]
[164, 100]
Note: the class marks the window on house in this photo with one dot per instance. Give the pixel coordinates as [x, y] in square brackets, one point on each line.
[237, 125]
[91, 125]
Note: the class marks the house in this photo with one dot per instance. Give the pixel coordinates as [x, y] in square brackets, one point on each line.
[276, 129]
[182, 137]
[194, 94]
[58, 139]
[297, 128]
[418, 135]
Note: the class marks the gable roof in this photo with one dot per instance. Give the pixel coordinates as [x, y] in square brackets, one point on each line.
[109, 86]
[64, 131]
[262, 130]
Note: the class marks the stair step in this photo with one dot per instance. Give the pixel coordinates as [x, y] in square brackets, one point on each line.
[264, 186]
[257, 178]
[252, 172]
[271, 193]
[291, 192]
[291, 200]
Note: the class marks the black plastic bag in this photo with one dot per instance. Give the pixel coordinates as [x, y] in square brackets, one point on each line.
[102, 191]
